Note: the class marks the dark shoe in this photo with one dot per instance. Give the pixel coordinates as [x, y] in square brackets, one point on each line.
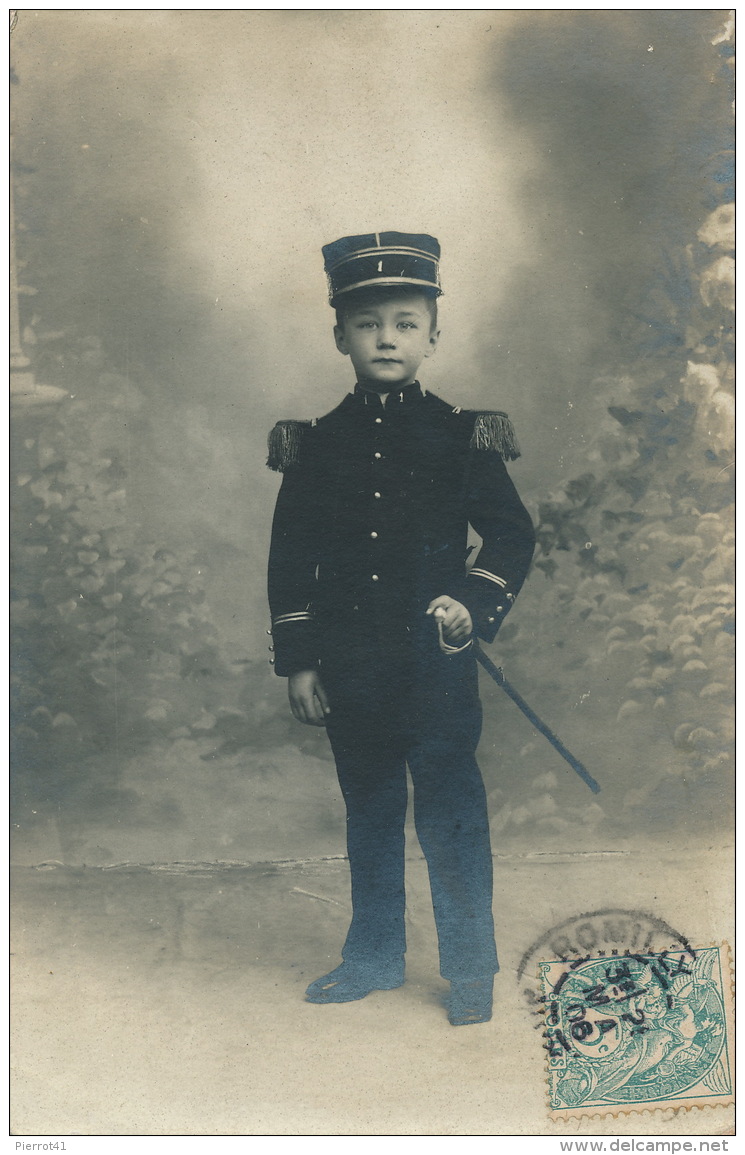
[352, 981]
[470, 1002]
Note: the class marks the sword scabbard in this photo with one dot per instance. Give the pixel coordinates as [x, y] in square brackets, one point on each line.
[497, 675]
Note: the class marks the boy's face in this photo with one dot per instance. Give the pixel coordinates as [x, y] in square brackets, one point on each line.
[387, 340]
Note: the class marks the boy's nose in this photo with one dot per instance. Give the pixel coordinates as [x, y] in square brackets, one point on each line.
[386, 338]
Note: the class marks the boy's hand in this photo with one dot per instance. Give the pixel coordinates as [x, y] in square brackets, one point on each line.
[308, 700]
[457, 625]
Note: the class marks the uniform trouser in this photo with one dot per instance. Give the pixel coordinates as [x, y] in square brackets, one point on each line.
[374, 735]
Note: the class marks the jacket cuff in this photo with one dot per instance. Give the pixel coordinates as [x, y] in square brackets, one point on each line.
[488, 601]
[294, 646]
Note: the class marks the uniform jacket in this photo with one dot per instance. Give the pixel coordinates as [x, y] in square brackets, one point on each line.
[372, 519]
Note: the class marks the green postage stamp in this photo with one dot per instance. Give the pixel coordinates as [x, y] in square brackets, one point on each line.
[633, 1032]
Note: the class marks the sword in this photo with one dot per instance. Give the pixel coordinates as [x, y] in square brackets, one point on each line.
[497, 673]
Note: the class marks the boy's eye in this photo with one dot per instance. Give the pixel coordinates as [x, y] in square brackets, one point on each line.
[406, 325]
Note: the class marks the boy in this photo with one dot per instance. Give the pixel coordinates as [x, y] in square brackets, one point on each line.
[374, 614]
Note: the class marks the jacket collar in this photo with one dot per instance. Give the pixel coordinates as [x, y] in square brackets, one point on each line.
[398, 398]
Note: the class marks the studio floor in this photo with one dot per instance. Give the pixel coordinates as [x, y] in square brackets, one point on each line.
[167, 999]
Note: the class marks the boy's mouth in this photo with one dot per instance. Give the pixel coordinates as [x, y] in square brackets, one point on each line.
[386, 361]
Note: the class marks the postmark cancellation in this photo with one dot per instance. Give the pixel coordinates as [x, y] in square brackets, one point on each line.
[638, 1031]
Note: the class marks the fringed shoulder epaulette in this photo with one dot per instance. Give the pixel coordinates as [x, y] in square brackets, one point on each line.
[494, 430]
[284, 444]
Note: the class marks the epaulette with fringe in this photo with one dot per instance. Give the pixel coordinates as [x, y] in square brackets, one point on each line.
[284, 444]
[494, 430]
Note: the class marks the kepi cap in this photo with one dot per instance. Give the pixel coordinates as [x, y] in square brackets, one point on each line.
[374, 259]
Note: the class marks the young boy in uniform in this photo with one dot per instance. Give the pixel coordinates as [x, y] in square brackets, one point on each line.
[374, 614]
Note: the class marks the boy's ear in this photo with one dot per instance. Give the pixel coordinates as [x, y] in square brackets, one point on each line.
[433, 339]
[339, 338]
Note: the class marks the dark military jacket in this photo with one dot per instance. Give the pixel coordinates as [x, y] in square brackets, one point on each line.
[372, 522]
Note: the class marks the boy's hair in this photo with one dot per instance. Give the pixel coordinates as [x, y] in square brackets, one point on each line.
[379, 295]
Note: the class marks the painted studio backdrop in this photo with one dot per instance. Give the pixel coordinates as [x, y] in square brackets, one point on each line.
[175, 175]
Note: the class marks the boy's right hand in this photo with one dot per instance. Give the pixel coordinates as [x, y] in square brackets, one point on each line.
[308, 700]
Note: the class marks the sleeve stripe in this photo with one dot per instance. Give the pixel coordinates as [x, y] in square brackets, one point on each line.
[300, 616]
[484, 573]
